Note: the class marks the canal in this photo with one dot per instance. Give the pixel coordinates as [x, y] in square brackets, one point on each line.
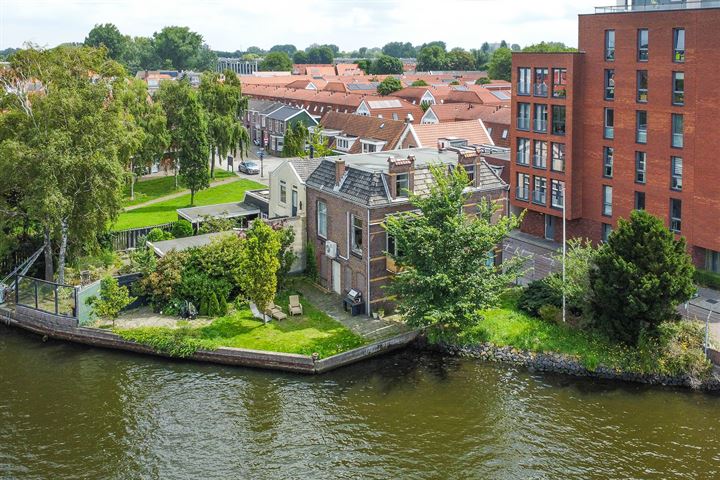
[68, 411]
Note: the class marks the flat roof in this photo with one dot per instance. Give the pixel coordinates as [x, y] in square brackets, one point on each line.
[180, 244]
[378, 161]
[220, 210]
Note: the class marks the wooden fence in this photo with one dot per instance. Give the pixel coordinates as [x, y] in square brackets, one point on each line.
[125, 239]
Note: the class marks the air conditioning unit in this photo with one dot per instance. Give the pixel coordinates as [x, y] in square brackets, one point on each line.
[331, 249]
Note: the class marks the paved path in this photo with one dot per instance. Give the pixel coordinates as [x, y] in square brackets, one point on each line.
[699, 308]
[367, 327]
[145, 317]
[179, 194]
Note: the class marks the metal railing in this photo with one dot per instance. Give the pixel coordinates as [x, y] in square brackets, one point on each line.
[658, 5]
[49, 297]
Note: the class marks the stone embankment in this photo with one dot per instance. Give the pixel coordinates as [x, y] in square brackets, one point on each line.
[568, 365]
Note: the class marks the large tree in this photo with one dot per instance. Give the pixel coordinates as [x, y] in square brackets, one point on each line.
[276, 62]
[459, 59]
[432, 57]
[193, 146]
[109, 36]
[181, 48]
[642, 273]
[260, 264]
[387, 65]
[289, 49]
[389, 86]
[446, 256]
[549, 47]
[322, 55]
[399, 50]
[500, 65]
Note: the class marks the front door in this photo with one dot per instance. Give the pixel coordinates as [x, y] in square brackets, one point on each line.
[549, 227]
[336, 277]
[294, 203]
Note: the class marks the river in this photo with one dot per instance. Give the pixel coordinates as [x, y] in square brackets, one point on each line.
[70, 411]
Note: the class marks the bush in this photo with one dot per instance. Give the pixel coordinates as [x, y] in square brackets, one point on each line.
[182, 342]
[222, 300]
[707, 279]
[550, 313]
[213, 306]
[675, 348]
[181, 229]
[311, 267]
[537, 295]
[240, 303]
[482, 81]
[158, 235]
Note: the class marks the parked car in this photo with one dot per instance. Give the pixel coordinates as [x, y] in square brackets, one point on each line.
[249, 168]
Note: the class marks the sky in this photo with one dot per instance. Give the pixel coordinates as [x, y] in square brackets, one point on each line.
[237, 24]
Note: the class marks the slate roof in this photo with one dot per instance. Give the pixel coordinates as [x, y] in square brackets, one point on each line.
[262, 106]
[305, 166]
[284, 113]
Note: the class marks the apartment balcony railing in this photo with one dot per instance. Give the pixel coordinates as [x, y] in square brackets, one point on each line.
[657, 5]
[541, 90]
[523, 123]
[678, 140]
[642, 136]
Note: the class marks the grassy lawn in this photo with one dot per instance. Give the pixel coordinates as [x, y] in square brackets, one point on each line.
[312, 332]
[153, 188]
[164, 212]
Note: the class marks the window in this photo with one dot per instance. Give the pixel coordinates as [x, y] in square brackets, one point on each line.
[539, 154]
[402, 184]
[489, 129]
[639, 200]
[609, 84]
[641, 123]
[606, 231]
[609, 45]
[679, 45]
[677, 130]
[678, 88]
[523, 81]
[676, 173]
[283, 192]
[607, 193]
[541, 114]
[322, 218]
[558, 120]
[712, 261]
[523, 152]
[640, 167]
[504, 134]
[609, 131]
[559, 83]
[557, 192]
[541, 82]
[675, 215]
[356, 234]
[558, 157]
[368, 147]
[392, 246]
[540, 191]
[470, 170]
[342, 143]
[642, 86]
[643, 44]
[523, 119]
[522, 191]
[608, 154]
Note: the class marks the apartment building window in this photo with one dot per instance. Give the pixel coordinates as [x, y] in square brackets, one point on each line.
[675, 215]
[676, 169]
[639, 200]
[640, 167]
[523, 81]
[559, 82]
[642, 86]
[322, 218]
[523, 151]
[641, 122]
[539, 154]
[522, 191]
[504, 134]
[557, 191]
[678, 88]
[677, 131]
[606, 231]
[558, 120]
[540, 190]
[609, 124]
[643, 44]
[470, 171]
[607, 193]
[523, 120]
[679, 45]
[608, 154]
[356, 234]
[402, 184]
[541, 117]
[541, 82]
[609, 45]
[558, 157]
[712, 261]
[283, 192]
[609, 84]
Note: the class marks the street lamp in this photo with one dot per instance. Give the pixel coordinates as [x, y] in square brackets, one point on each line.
[261, 154]
[712, 303]
[564, 252]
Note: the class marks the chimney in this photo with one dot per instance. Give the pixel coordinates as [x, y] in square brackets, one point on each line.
[339, 170]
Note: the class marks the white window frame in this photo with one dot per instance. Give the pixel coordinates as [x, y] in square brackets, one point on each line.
[321, 218]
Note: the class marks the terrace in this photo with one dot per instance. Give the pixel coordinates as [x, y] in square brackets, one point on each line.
[657, 5]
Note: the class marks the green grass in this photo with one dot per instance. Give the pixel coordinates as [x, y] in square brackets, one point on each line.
[164, 212]
[313, 332]
[153, 188]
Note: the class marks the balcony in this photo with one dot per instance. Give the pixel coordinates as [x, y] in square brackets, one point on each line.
[523, 123]
[658, 5]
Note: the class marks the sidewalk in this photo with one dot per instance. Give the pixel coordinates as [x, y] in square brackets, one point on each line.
[179, 194]
[698, 309]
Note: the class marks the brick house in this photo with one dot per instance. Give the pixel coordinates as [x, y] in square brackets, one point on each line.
[349, 198]
[267, 122]
[350, 133]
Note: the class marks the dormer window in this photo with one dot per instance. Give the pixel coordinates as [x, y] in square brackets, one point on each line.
[370, 146]
[402, 185]
[470, 170]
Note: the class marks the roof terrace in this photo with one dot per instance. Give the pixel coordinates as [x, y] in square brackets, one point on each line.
[657, 5]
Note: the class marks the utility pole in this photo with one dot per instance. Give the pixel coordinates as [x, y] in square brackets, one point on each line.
[564, 252]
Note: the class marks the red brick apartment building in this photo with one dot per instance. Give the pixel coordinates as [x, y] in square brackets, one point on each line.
[628, 122]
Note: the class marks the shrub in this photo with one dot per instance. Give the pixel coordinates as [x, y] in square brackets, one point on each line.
[182, 342]
[707, 279]
[182, 228]
[113, 298]
[160, 286]
[216, 224]
[213, 306]
[675, 348]
[537, 295]
[550, 313]
[203, 310]
[158, 235]
[197, 286]
[240, 303]
[222, 300]
[311, 267]
[482, 81]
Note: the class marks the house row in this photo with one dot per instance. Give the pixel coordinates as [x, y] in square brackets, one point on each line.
[267, 122]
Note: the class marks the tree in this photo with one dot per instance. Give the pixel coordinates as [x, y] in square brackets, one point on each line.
[460, 59]
[549, 47]
[260, 264]
[288, 49]
[300, 57]
[500, 66]
[286, 255]
[311, 267]
[113, 298]
[295, 138]
[419, 83]
[447, 277]
[323, 54]
[436, 43]
[181, 48]
[515, 47]
[193, 146]
[503, 44]
[399, 50]
[276, 62]
[319, 143]
[140, 55]
[483, 81]
[579, 259]
[481, 58]
[365, 65]
[642, 274]
[389, 86]
[109, 36]
[386, 65]
[255, 50]
[430, 58]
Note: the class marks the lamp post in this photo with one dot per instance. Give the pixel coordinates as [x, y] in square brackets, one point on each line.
[712, 303]
[261, 154]
[564, 252]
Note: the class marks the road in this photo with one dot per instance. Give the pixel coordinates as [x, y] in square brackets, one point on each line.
[269, 164]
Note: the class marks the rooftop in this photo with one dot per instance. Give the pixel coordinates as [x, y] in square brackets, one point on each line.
[657, 5]
[220, 210]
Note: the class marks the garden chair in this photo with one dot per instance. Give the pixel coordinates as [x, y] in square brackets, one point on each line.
[275, 312]
[296, 307]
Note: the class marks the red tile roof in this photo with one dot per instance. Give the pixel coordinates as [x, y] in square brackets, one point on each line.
[471, 130]
[389, 131]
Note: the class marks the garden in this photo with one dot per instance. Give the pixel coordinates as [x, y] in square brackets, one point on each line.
[154, 188]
